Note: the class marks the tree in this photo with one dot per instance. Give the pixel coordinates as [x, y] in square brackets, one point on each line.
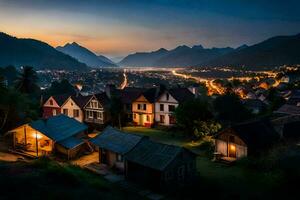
[27, 81]
[116, 111]
[229, 107]
[191, 113]
[63, 87]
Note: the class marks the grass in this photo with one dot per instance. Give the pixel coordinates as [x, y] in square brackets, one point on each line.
[44, 179]
[167, 137]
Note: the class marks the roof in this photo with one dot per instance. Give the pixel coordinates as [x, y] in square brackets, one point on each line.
[181, 94]
[289, 109]
[80, 100]
[58, 127]
[255, 134]
[71, 142]
[254, 103]
[60, 99]
[115, 140]
[128, 95]
[152, 94]
[102, 98]
[153, 154]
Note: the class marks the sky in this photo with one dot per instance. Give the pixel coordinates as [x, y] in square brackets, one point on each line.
[119, 27]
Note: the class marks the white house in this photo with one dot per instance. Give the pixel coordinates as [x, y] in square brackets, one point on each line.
[72, 109]
[167, 102]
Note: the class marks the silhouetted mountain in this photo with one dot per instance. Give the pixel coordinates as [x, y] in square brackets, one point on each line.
[20, 52]
[180, 56]
[105, 59]
[244, 46]
[276, 51]
[143, 59]
[86, 56]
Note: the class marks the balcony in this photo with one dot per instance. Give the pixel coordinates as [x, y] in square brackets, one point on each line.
[94, 121]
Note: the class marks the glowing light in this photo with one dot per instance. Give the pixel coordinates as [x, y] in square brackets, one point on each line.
[38, 136]
[232, 147]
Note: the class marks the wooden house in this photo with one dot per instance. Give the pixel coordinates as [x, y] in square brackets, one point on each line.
[96, 109]
[60, 134]
[143, 108]
[113, 144]
[246, 139]
[72, 109]
[52, 105]
[167, 102]
[160, 165]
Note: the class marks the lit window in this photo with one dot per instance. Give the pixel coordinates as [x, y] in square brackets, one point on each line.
[120, 158]
[54, 112]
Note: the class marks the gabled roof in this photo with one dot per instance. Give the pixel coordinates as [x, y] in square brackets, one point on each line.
[59, 127]
[117, 141]
[152, 94]
[153, 154]
[102, 98]
[60, 99]
[181, 94]
[257, 134]
[128, 95]
[80, 100]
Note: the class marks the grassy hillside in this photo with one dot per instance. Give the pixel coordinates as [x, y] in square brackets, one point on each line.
[44, 179]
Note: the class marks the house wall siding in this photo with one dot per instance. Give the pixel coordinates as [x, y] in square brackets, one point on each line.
[166, 102]
[71, 106]
[140, 115]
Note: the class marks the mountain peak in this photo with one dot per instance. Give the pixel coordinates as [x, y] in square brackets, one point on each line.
[242, 47]
[197, 47]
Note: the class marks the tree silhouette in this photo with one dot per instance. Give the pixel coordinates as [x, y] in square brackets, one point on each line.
[27, 81]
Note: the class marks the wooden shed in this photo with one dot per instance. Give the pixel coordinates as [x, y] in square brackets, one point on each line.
[60, 134]
[113, 144]
[242, 140]
[160, 165]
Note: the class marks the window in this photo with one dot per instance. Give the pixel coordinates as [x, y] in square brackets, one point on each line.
[147, 118]
[120, 158]
[89, 114]
[94, 104]
[139, 106]
[65, 111]
[134, 116]
[180, 173]
[145, 107]
[167, 96]
[161, 107]
[99, 115]
[75, 113]
[54, 112]
[51, 102]
[171, 108]
[71, 103]
[162, 119]
[172, 119]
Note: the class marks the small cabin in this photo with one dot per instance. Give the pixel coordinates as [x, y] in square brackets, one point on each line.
[113, 144]
[59, 134]
[246, 139]
[160, 166]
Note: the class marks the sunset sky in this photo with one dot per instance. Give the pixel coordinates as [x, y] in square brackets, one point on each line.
[120, 27]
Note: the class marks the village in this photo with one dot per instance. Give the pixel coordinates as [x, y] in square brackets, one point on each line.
[133, 135]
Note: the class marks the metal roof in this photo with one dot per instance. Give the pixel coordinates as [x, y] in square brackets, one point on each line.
[58, 127]
[153, 154]
[71, 142]
[115, 140]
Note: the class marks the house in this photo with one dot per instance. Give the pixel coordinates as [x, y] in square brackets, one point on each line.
[143, 107]
[52, 105]
[167, 102]
[246, 139]
[159, 165]
[292, 106]
[60, 134]
[96, 109]
[113, 144]
[73, 109]
[127, 96]
[256, 106]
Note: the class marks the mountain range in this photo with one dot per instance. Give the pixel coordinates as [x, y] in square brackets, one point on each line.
[21, 52]
[86, 56]
[275, 51]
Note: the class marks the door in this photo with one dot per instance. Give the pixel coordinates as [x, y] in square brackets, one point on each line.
[141, 119]
[232, 150]
[104, 156]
